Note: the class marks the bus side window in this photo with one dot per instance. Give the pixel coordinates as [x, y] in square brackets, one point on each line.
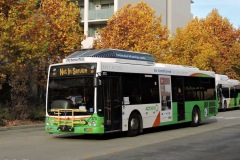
[132, 88]
[150, 89]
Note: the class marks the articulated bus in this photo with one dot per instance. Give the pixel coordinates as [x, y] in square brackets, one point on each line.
[105, 91]
[228, 92]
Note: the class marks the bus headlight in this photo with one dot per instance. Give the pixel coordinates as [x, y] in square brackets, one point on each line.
[49, 123]
[90, 123]
[93, 123]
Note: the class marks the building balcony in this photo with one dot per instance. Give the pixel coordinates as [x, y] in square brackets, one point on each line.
[98, 14]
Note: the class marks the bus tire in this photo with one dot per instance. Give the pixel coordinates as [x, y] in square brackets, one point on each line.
[133, 125]
[195, 117]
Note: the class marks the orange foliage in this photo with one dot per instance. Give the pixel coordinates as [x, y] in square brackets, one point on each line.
[34, 34]
[134, 28]
[210, 44]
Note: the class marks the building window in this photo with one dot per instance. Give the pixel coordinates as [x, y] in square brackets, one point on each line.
[105, 6]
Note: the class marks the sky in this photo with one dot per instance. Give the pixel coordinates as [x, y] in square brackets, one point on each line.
[229, 9]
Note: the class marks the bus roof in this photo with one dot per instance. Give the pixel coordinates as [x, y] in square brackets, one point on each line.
[225, 81]
[176, 66]
[119, 61]
[233, 82]
[113, 54]
[221, 77]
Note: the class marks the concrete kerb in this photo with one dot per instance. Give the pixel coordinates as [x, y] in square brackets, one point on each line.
[22, 127]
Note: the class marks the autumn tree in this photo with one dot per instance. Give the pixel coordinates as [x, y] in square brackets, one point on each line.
[58, 23]
[134, 28]
[35, 34]
[210, 43]
[4, 40]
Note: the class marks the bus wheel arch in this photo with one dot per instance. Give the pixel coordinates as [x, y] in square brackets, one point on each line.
[135, 124]
[196, 117]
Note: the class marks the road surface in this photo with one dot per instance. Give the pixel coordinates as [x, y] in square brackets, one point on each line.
[216, 138]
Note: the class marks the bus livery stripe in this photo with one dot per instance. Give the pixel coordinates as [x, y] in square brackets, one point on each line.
[157, 121]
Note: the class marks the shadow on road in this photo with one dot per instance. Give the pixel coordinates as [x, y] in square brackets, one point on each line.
[93, 136]
[110, 136]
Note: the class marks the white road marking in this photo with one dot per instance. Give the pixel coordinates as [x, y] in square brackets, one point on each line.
[227, 117]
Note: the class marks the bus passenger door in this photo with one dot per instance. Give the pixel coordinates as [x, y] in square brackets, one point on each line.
[179, 84]
[112, 103]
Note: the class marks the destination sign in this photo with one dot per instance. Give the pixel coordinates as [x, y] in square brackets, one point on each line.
[72, 70]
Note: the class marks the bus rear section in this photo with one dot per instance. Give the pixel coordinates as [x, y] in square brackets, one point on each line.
[228, 92]
[153, 100]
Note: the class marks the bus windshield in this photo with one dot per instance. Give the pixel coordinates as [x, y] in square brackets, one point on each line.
[68, 92]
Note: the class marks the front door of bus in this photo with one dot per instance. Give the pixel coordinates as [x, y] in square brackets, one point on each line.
[112, 103]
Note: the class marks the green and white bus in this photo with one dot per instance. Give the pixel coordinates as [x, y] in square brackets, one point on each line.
[228, 92]
[105, 91]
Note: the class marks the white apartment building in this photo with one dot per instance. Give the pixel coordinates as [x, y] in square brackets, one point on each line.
[95, 13]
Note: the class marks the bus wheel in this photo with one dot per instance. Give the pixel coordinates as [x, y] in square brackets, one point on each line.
[133, 125]
[195, 117]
